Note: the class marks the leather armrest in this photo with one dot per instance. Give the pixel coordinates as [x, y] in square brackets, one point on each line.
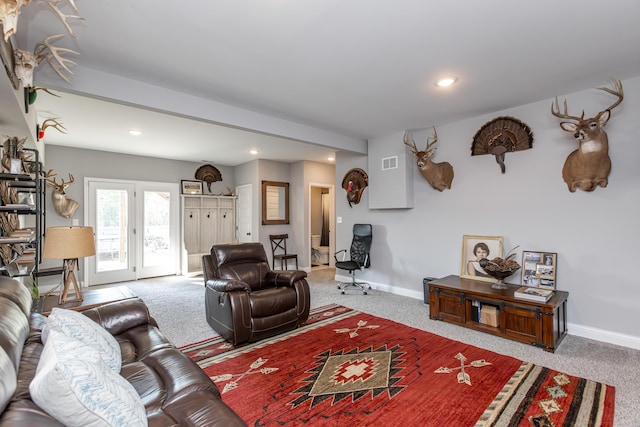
[227, 285]
[285, 277]
[118, 317]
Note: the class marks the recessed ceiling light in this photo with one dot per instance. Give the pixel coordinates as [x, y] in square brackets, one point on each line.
[446, 82]
[254, 151]
[331, 159]
[135, 132]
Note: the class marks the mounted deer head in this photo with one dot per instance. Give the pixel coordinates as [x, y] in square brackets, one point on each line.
[10, 9]
[589, 165]
[439, 175]
[26, 63]
[64, 207]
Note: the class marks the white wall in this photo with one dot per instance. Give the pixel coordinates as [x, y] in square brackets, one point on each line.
[595, 234]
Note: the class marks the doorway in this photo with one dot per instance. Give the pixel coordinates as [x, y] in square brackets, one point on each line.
[136, 226]
[321, 226]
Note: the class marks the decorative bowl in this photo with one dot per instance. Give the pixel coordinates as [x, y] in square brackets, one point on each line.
[500, 269]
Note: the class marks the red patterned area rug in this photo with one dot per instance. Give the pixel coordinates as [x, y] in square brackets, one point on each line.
[348, 368]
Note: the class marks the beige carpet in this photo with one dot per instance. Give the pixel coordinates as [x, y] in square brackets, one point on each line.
[177, 304]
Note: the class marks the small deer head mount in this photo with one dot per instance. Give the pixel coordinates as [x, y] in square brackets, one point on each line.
[27, 62]
[439, 175]
[588, 167]
[354, 182]
[64, 207]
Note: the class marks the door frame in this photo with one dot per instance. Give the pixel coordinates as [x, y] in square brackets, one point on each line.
[332, 222]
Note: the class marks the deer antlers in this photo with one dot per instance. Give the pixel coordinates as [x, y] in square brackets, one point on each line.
[413, 143]
[45, 51]
[618, 92]
[53, 4]
[10, 9]
[53, 123]
[54, 183]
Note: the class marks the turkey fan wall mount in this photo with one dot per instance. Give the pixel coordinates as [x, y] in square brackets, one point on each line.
[208, 174]
[500, 136]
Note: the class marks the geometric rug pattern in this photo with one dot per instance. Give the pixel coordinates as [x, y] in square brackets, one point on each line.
[345, 367]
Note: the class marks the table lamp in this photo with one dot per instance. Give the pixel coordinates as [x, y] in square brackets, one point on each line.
[69, 244]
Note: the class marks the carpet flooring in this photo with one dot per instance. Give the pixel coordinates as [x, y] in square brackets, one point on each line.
[177, 303]
[350, 367]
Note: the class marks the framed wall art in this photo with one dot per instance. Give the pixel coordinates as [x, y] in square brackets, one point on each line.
[539, 269]
[191, 187]
[474, 248]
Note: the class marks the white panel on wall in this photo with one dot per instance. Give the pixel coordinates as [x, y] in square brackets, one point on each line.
[390, 186]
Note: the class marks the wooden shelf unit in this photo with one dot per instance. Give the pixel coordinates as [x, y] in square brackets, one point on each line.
[541, 324]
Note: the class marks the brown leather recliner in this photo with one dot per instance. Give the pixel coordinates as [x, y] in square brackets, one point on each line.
[247, 301]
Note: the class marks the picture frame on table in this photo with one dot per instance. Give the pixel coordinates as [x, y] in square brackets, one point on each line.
[473, 249]
[190, 187]
[539, 269]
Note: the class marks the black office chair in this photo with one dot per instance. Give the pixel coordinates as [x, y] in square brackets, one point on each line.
[279, 251]
[359, 254]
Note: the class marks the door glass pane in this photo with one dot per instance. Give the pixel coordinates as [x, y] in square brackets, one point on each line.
[111, 230]
[157, 231]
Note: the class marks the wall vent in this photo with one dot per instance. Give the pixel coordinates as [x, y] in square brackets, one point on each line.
[390, 163]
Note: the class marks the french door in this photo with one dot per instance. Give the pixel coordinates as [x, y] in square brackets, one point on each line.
[136, 226]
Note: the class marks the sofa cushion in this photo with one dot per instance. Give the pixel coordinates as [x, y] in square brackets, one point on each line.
[76, 388]
[80, 327]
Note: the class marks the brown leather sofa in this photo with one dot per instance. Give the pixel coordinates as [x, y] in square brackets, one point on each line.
[174, 390]
[247, 301]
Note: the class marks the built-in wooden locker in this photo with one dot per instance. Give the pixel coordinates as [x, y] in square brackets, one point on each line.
[207, 220]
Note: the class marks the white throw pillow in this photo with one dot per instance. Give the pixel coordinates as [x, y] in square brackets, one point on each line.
[75, 387]
[76, 325]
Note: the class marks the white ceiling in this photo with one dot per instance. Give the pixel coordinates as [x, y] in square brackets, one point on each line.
[354, 69]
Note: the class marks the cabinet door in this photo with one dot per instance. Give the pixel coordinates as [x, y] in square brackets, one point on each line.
[449, 307]
[523, 324]
[192, 230]
[227, 222]
[209, 224]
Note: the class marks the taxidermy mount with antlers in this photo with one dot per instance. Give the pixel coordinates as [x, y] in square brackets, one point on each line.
[26, 63]
[589, 165]
[64, 207]
[10, 9]
[439, 175]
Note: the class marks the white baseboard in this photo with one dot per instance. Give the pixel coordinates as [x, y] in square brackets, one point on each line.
[572, 328]
[604, 335]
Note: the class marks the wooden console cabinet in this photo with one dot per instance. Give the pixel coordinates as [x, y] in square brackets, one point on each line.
[456, 300]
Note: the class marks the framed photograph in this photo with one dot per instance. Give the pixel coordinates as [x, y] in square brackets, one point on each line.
[191, 187]
[474, 248]
[539, 269]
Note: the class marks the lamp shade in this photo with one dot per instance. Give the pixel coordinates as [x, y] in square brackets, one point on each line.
[68, 242]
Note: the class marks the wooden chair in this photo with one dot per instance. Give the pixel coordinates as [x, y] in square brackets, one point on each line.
[279, 251]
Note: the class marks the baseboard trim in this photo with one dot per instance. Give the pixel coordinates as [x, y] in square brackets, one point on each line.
[604, 335]
[589, 332]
